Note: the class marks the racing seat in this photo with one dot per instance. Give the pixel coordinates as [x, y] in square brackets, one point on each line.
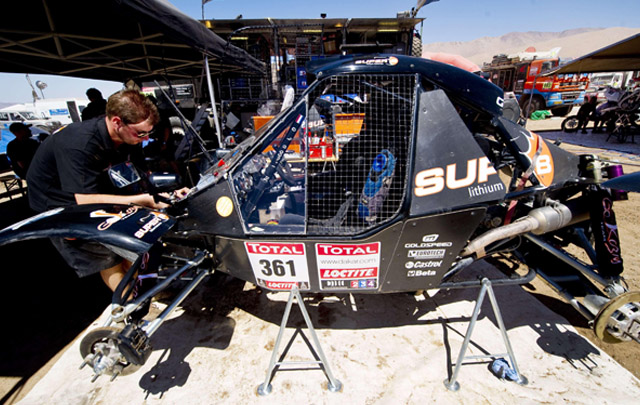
[353, 196]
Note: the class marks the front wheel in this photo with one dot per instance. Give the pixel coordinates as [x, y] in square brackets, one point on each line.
[529, 105]
[570, 124]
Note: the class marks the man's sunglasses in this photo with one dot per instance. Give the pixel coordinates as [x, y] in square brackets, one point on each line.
[140, 134]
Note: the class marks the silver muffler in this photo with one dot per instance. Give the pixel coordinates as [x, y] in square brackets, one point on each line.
[538, 221]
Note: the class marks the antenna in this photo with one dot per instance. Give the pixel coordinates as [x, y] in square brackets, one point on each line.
[34, 94]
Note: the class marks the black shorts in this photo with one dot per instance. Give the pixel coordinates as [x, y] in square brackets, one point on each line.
[86, 257]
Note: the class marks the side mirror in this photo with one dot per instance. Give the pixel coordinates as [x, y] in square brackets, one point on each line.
[162, 182]
[124, 174]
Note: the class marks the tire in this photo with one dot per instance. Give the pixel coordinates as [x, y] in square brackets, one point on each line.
[527, 109]
[103, 335]
[561, 111]
[570, 124]
[416, 47]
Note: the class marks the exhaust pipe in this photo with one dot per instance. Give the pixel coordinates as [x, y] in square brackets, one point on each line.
[539, 221]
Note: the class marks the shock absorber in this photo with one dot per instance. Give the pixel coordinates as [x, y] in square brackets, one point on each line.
[605, 233]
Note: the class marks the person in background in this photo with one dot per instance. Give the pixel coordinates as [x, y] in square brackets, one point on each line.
[586, 111]
[71, 166]
[22, 149]
[96, 106]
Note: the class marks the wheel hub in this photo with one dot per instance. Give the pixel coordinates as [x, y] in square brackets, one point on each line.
[106, 359]
[619, 319]
[101, 352]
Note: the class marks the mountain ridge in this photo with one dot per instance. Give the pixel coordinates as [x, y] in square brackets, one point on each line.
[573, 43]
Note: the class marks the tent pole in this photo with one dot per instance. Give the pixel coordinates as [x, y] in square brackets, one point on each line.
[213, 101]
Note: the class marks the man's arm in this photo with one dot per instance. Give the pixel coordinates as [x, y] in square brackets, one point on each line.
[145, 200]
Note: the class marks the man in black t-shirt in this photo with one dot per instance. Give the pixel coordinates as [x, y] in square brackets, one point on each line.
[69, 168]
[22, 149]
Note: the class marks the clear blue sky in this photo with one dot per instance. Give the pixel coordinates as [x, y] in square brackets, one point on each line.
[445, 20]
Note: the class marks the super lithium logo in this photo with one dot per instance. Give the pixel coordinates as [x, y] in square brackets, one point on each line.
[435, 180]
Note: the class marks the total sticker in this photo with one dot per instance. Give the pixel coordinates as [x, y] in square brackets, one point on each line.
[279, 266]
[346, 266]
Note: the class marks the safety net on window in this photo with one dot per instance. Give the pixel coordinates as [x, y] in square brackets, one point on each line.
[358, 137]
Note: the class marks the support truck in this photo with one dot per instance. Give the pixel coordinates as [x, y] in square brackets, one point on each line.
[521, 75]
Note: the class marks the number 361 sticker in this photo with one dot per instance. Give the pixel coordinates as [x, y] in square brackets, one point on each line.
[279, 266]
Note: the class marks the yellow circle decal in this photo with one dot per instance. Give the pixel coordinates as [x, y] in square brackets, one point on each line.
[224, 206]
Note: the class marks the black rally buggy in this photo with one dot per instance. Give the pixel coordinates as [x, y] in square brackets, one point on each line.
[388, 174]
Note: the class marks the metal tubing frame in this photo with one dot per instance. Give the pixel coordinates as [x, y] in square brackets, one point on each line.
[119, 312]
[573, 301]
[586, 271]
[333, 384]
[452, 384]
[213, 99]
[152, 326]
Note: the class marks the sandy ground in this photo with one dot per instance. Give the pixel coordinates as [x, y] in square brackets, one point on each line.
[383, 349]
[627, 154]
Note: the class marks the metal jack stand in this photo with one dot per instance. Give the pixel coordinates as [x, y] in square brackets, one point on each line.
[333, 385]
[452, 384]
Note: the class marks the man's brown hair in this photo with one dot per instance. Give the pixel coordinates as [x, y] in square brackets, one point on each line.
[132, 107]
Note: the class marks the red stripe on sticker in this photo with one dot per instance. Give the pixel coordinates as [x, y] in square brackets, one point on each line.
[266, 248]
[348, 250]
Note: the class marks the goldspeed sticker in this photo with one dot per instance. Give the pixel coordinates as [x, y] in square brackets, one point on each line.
[347, 267]
[279, 266]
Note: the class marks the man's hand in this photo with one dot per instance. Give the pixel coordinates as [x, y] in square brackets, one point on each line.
[181, 193]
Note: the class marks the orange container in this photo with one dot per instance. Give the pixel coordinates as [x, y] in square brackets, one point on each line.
[259, 121]
[349, 124]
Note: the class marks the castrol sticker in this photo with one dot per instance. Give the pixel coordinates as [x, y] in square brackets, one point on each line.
[279, 266]
[348, 267]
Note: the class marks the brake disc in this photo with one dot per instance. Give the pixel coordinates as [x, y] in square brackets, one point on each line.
[99, 349]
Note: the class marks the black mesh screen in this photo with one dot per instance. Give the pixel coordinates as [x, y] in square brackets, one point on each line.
[356, 179]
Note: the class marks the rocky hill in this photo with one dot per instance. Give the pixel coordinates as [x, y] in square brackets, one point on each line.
[574, 43]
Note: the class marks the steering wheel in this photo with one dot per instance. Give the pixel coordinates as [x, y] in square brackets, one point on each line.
[286, 173]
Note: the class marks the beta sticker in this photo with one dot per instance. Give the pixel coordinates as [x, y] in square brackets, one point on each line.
[342, 266]
[279, 266]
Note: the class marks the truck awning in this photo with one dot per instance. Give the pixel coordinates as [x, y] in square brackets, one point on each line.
[112, 40]
[618, 57]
